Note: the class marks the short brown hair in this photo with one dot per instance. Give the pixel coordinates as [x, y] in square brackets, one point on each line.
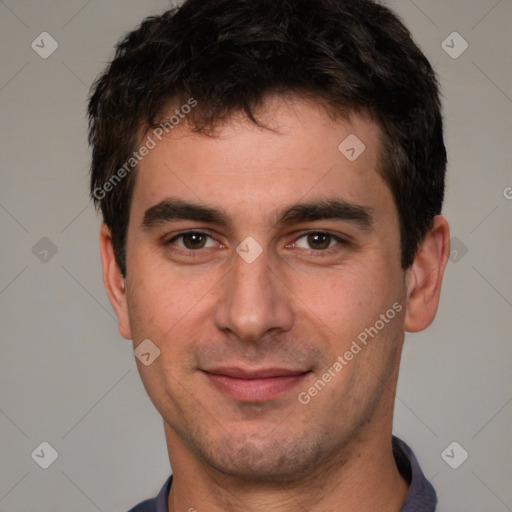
[229, 55]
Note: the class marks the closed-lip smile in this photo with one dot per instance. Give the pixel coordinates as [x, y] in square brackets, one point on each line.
[254, 384]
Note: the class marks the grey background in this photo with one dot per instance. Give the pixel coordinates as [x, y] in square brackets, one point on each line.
[68, 378]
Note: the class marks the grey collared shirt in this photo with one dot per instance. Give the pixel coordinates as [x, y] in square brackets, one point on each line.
[420, 498]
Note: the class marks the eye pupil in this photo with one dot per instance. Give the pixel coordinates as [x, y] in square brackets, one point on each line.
[319, 240]
[194, 240]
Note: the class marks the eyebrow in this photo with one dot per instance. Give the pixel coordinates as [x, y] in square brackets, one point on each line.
[335, 209]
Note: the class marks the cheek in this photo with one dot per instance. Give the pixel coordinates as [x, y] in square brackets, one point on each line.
[164, 301]
[348, 299]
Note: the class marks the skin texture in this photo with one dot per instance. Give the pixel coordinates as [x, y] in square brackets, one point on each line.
[293, 307]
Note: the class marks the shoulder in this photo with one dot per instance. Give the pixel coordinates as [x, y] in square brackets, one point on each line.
[158, 504]
[145, 506]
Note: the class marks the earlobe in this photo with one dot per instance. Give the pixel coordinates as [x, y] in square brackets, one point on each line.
[424, 277]
[114, 282]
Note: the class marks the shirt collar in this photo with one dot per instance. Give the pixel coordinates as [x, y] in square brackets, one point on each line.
[420, 498]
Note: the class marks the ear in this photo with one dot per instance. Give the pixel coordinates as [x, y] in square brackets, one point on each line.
[424, 277]
[114, 282]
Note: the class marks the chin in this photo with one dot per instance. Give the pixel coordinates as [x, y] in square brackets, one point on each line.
[266, 460]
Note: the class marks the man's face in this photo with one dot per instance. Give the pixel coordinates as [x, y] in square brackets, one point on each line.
[244, 336]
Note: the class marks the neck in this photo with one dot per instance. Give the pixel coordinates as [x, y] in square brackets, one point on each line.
[359, 477]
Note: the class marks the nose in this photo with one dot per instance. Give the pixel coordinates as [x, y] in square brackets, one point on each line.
[253, 300]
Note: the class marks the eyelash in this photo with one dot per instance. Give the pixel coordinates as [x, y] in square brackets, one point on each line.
[318, 252]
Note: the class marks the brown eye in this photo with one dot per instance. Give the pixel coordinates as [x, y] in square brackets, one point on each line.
[322, 242]
[194, 240]
[318, 241]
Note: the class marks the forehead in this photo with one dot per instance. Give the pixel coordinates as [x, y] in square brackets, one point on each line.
[300, 153]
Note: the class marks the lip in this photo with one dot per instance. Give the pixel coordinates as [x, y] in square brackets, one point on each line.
[254, 385]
